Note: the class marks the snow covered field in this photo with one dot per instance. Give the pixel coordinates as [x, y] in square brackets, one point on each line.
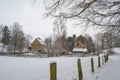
[20, 68]
[12, 68]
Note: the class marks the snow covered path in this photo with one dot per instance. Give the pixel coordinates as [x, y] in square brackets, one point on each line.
[111, 70]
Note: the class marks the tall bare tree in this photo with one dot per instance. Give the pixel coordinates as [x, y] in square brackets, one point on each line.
[60, 34]
[49, 46]
[98, 41]
[18, 38]
[28, 38]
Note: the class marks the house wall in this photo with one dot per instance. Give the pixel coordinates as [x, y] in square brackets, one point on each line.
[78, 45]
[36, 45]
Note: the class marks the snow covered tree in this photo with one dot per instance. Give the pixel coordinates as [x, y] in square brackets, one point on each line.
[98, 42]
[107, 40]
[49, 46]
[60, 35]
[70, 42]
[90, 44]
[116, 40]
[82, 39]
[74, 38]
[64, 42]
[5, 36]
[21, 41]
[28, 37]
[18, 38]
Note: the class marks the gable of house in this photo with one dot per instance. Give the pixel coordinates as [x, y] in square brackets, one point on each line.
[37, 44]
[78, 44]
[79, 48]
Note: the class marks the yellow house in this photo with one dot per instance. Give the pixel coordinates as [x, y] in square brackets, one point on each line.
[37, 45]
[79, 48]
[78, 44]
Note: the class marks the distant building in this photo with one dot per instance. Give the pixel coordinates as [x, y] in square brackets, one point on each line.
[79, 48]
[37, 45]
[78, 44]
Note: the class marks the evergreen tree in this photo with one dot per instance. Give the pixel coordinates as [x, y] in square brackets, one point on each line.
[70, 42]
[90, 45]
[74, 37]
[82, 39]
[5, 36]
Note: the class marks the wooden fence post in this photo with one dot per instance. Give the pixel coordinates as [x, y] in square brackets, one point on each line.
[53, 70]
[80, 74]
[92, 64]
[98, 61]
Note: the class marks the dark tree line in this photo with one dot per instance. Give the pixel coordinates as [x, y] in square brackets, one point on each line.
[14, 38]
[87, 41]
[67, 44]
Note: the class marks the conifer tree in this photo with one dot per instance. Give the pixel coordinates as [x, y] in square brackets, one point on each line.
[5, 36]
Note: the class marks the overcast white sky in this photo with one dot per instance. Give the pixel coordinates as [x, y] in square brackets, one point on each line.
[31, 17]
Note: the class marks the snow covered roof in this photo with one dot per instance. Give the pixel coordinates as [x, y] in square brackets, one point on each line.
[79, 49]
[41, 41]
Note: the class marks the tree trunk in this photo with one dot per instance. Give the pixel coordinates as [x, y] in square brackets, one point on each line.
[14, 48]
[3, 48]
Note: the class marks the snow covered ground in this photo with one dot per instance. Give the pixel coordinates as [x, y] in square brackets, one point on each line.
[111, 70]
[12, 68]
[116, 50]
[20, 68]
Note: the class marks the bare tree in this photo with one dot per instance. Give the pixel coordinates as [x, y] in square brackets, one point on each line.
[87, 12]
[90, 44]
[60, 27]
[107, 41]
[60, 34]
[18, 38]
[49, 45]
[21, 42]
[98, 41]
[28, 37]
[116, 39]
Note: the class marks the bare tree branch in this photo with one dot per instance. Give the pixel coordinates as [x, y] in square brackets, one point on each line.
[103, 13]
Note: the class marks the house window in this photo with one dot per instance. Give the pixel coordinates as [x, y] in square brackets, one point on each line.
[77, 44]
